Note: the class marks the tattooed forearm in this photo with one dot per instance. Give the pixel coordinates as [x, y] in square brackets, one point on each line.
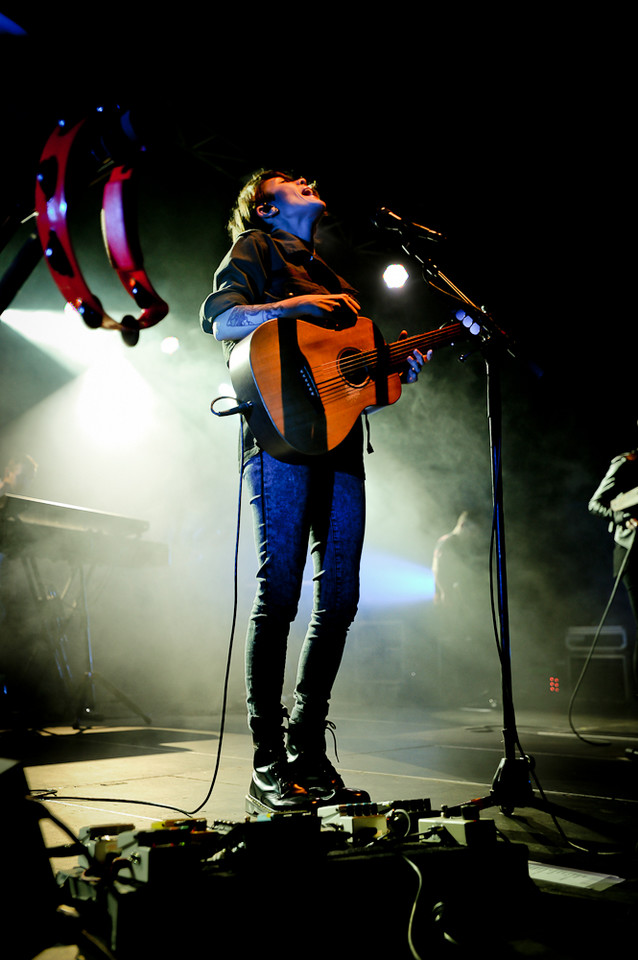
[239, 321]
[246, 317]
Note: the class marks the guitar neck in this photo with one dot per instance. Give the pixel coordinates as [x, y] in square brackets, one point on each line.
[400, 350]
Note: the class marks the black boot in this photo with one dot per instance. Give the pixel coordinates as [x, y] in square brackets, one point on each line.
[310, 767]
[272, 788]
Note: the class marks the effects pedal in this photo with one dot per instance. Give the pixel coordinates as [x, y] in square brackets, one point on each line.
[457, 831]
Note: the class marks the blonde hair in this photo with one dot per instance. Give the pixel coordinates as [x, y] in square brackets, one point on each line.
[243, 215]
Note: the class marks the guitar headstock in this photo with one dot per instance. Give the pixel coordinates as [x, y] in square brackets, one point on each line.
[470, 324]
[489, 332]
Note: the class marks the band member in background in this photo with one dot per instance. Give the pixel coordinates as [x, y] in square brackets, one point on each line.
[450, 562]
[273, 271]
[621, 478]
[464, 625]
[18, 474]
[17, 477]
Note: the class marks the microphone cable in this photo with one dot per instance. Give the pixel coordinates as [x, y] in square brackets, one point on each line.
[51, 795]
[231, 641]
[592, 650]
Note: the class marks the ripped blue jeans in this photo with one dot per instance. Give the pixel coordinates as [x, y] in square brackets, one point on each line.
[296, 508]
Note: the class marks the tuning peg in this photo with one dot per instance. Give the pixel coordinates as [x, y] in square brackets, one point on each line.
[468, 322]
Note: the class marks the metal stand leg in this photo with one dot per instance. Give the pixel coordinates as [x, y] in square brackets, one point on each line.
[85, 711]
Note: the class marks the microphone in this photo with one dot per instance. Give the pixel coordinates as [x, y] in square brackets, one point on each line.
[385, 219]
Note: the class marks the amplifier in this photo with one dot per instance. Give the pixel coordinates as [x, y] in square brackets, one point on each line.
[609, 675]
[610, 639]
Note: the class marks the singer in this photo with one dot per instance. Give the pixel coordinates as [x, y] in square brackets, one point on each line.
[273, 271]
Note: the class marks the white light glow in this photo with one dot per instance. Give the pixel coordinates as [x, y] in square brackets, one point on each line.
[395, 276]
[169, 345]
[64, 335]
[115, 406]
[115, 403]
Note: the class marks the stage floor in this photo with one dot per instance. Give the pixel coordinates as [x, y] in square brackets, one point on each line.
[585, 859]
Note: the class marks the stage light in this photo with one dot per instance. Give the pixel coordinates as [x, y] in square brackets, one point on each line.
[395, 276]
[10, 27]
[115, 403]
[169, 345]
[63, 335]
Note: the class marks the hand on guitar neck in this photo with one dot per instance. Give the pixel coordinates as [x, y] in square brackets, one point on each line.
[415, 362]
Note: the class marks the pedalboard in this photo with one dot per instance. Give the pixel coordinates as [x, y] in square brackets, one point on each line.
[173, 847]
[129, 877]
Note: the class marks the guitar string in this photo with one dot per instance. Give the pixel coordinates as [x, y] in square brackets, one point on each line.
[334, 384]
[396, 350]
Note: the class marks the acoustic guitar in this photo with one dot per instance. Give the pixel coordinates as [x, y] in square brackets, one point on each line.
[304, 387]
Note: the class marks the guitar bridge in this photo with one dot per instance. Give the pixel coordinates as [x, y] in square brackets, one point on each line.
[308, 382]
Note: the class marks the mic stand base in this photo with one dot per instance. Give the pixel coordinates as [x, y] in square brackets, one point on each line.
[511, 786]
[86, 699]
[512, 790]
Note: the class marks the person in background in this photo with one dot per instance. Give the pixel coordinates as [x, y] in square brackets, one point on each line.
[616, 500]
[18, 475]
[461, 598]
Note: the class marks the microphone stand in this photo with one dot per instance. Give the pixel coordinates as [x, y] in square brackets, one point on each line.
[511, 785]
[85, 709]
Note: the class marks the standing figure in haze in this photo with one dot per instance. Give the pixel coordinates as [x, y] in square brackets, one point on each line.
[18, 474]
[17, 477]
[621, 481]
[461, 596]
[272, 271]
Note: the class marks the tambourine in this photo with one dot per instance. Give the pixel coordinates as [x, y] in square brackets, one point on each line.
[119, 227]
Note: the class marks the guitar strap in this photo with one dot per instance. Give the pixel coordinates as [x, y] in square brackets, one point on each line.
[295, 396]
[380, 372]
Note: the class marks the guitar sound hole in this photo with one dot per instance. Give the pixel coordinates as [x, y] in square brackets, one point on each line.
[352, 367]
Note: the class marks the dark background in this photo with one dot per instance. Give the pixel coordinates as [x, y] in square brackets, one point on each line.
[509, 135]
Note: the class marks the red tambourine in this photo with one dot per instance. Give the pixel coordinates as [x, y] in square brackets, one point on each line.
[120, 237]
[119, 225]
